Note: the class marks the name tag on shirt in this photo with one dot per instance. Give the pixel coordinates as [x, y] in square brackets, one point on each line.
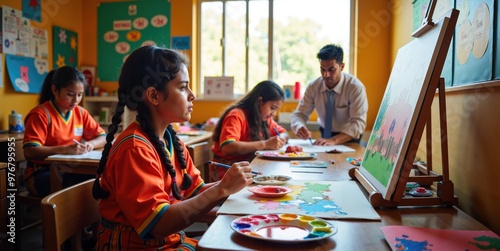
[78, 131]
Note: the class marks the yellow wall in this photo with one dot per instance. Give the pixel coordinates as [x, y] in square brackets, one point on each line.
[374, 73]
[65, 14]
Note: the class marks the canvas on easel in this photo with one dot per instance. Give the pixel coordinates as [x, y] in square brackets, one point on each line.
[404, 111]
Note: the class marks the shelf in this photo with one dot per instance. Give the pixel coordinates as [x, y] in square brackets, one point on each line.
[101, 98]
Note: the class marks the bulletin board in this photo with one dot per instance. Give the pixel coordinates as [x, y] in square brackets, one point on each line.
[65, 47]
[126, 26]
[442, 7]
[412, 83]
[473, 58]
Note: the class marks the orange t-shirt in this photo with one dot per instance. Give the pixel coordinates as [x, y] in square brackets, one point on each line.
[235, 128]
[139, 185]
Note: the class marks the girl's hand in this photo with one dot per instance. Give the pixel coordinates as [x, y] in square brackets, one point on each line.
[77, 148]
[89, 146]
[275, 143]
[236, 178]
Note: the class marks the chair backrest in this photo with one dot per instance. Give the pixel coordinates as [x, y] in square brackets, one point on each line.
[66, 212]
[200, 153]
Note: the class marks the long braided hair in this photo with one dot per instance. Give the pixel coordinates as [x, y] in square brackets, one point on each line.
[269, 91]
[148, 66]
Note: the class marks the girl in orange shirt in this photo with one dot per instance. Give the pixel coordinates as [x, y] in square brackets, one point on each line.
[248, 126]
[54, 125]
[148, 185]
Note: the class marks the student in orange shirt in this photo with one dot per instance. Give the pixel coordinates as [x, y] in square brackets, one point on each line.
[248, 126]
[148, 185]
[55, 124]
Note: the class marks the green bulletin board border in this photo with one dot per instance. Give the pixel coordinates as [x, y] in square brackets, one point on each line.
[109, 60]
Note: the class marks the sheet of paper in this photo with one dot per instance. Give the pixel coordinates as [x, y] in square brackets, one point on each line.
[417, 238]
[308, 148]
[325, 199]
[90, 155]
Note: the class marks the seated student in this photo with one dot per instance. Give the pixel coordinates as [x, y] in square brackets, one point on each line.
[248, 126]
[53, 126]
[148, 185]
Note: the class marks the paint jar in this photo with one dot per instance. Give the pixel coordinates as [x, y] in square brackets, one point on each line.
[16, 124]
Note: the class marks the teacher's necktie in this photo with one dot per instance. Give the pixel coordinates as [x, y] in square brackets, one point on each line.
[327, 133]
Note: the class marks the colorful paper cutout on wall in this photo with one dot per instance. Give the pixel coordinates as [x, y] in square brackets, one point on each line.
[26, 74]
[420, 239]
[123, 27]
[32, 9]
[65, 47]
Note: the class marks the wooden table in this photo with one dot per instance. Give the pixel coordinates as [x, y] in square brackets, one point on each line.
[337, 171]
[88, 166]
[352, 234]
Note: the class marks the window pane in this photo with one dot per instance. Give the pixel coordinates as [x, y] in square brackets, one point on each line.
[235, 44]
[301, 28]
[258, 42]
[211, 34]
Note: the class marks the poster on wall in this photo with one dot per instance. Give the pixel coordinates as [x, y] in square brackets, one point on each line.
[26, 74]
[39, 43]
[16, 31]
[126, 26]
[65, 47]
[442, 7]
[496, 71]
[1, 30]
[474, 42]
[32, 9]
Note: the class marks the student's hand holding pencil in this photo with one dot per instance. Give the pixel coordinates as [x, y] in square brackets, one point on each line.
[81, 148]
[274, 143]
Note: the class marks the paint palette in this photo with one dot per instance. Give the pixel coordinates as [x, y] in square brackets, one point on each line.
[354, 161]
[281, 155]
[270, 191]
[271, 179]
[283, 227]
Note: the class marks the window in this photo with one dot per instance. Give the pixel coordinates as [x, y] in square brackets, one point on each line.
[236, 37]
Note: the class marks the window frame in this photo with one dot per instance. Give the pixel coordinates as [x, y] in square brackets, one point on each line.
[270, 58]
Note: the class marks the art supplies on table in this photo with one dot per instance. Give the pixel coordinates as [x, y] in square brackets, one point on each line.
[309, 164]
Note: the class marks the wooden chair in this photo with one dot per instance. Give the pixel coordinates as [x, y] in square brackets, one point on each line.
[201, 155]
[66, 212]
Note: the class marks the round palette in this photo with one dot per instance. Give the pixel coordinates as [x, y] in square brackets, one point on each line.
[271, 179]
[281, 155]
[283, 227]
[420, 192]
[270, 191]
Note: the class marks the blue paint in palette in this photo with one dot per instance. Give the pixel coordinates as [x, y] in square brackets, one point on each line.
[240, 225]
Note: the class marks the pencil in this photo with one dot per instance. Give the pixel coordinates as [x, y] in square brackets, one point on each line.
[227, 166]
[276, 131]
[77, 142]
[310, 140]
